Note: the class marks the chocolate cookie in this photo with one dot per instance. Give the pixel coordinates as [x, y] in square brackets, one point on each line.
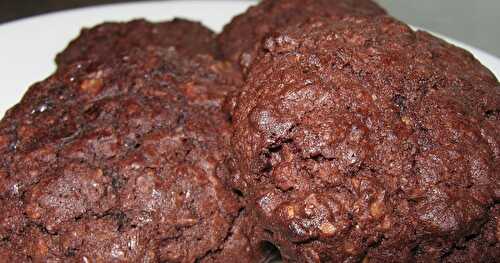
[239, 37]
[362, 140]
[111, 39]
[123, 161]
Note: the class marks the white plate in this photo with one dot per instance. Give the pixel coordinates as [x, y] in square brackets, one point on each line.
[28, 46]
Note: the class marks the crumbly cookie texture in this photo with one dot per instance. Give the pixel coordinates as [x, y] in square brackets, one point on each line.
[123, 161]
[109, 40]
[239, 38]
[362, 140]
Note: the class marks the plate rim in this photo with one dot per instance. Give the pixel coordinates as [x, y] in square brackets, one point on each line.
[126, 4]
[99, 7]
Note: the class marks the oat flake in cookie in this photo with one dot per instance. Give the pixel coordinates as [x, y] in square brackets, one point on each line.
[238, 39]
[122, 161]
[111, 39]
[361, 140]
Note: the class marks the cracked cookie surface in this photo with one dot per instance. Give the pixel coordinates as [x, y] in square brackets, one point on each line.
[112, 39]
[240, 37]
[123, 162]
[362, 140]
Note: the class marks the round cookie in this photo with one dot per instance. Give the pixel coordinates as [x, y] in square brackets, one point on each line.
[109, 39]
[362, 140]
[123, 161]
[239, 37]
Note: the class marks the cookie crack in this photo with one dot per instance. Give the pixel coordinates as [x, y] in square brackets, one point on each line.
[228, 235]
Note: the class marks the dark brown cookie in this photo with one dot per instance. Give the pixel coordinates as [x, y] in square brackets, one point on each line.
[123, 161]
[112, 39]
[362, 140]
[239, 37]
